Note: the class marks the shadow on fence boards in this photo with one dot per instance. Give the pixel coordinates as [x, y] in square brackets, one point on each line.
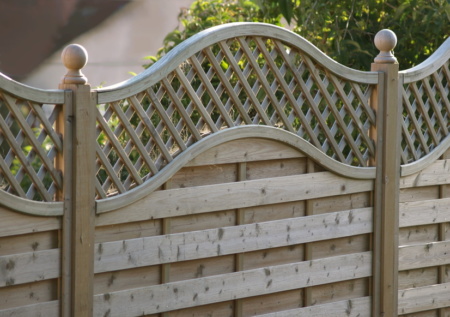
[244, 174]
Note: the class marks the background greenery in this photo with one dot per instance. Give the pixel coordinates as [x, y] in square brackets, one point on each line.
[342, 29]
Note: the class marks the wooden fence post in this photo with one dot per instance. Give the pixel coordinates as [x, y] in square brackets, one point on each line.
[387, 104]
[79, 196]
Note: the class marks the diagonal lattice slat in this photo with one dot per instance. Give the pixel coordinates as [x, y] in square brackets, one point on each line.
[240, 81]
[426, 110]
[29, 146]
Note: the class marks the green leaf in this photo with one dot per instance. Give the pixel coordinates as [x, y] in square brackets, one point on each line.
[286, 8]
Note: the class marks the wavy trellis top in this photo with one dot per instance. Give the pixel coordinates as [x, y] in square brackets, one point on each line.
[29, 143]
[425, 97]
[234, 75]
[227, 76]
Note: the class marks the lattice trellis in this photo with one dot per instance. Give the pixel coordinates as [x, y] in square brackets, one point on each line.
[29, 145]
[241, 81]
[426, 110]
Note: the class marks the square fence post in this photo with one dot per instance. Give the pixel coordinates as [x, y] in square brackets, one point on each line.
[387, 105]
[79, 193]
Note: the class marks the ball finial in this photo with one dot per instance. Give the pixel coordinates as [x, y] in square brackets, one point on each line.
[74, 57]
[385, 41]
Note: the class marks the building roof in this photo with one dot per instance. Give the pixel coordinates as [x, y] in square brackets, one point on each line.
[32, 30]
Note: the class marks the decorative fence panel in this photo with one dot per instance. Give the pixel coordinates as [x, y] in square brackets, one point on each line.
[30, 231]
[244, 174]
[239, 230]
[423, 239]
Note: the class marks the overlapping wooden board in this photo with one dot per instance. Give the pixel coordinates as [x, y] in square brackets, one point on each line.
[228, 233]
[29, 264]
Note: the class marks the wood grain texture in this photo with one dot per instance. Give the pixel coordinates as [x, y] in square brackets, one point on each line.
[185, 201]
[29, 207]
[252, 149]
[237, 285]
[437, 173]
[423, 298]
[14, 223]
[424, 255]
[30, 93]
[417, 278]
[254, 306]
[29, 242]
[231, 134]
[80, 205]
[356, 307]
[29, 267]
[28, 294]
[125, 254]
[386, 197]
[48, 309]
[344, 290]
[424, 212]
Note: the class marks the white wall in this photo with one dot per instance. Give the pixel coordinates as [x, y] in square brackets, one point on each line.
[117, 46]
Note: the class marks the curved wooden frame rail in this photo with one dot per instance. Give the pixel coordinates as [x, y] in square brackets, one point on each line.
[353, 113]
[216, 34]
[181, 53]
[232, 134]
[40, 96]
[116, 146]
[415, 82]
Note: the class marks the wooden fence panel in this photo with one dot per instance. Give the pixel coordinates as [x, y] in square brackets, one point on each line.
[283, 184]
[256, 248]
[29, 264]
[424, 259]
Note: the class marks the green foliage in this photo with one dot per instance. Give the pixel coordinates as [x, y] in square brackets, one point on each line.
[342, 29]
[204, 14]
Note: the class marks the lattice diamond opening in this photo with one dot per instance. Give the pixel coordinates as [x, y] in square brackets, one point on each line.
[29, 146]
[425, 114]
[240, 81]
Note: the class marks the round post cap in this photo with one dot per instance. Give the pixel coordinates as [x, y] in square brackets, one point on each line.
[385, 40]
[74, 58]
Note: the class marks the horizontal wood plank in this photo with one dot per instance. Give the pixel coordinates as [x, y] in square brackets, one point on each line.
[356, 307]
[47, 309]
[276, 168]
[272, 257]
[437, 173]
[424, 212]
[29, 267]
[264, 304]
[292, 209]
[222, 309]
[184, 201]
[208, 290]
[125, 231]
[418, 277]
[344, 290]
[14, 223]
[29, 242]
[423, 298]
[204, 176]
[424, 255]
[418, 234]
[251, 149]
[125, 254]
[28, 294]
[419, 193]
[126, 279]
[340, 246]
